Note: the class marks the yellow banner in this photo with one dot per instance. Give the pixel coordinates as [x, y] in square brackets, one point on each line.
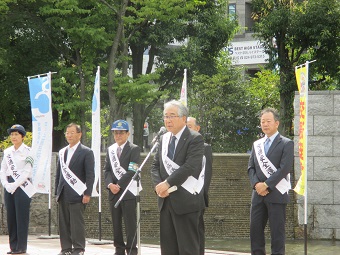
[302, 82]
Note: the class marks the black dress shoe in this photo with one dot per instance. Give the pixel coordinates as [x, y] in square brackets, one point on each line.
[18, 252]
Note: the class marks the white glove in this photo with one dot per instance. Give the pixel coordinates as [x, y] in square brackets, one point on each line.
[11, 187]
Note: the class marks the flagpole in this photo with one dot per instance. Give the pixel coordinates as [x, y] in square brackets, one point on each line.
[99, 176]
[302, 185]
[306, 157]
[48, 166]
[49, 192]
[96, 148]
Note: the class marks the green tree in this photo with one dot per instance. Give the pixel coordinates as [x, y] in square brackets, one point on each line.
[207, 29]
[291, 29]
[73, 37]
[23, 52]
[264, 89]
[224, 106]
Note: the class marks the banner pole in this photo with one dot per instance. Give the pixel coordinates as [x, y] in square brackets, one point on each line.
[42, 128]
[39, 75]
[306, 157]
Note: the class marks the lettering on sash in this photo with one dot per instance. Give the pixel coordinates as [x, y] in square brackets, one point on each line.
[191, 184]
[119, 171]
[26, 186]
[268, 168]
[75, 183]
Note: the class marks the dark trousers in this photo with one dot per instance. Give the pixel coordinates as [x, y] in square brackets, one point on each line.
[259, 215]
[127, 211]
[18, 213]
[71, 225]
[201, 229]
[179, 234]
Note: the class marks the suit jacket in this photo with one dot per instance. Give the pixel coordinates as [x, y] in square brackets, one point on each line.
[188, 155]
[281, 154]
[130, 153]
[208, 172]
[82, 165]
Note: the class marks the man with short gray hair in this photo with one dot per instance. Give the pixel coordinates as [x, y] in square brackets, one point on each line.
[176, 167]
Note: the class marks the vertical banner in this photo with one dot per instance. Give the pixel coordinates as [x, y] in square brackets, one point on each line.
[302, 82]
[42, 125]
[96, 134]
[183, 99]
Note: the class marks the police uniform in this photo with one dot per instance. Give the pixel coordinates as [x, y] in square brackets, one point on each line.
[17, 202]
[130, 154]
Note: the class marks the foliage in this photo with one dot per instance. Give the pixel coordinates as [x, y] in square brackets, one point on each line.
[71, 38]
[6, 143]
[223, 106]
[289, 31]
[23, 52]
[264, 89]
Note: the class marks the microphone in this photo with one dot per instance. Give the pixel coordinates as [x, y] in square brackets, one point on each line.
[162, 131]
[172, 189]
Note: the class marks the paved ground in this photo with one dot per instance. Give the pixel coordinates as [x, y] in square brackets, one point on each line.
[47, 246]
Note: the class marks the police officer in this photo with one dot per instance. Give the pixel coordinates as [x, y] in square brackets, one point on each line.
[120, 159]
[15, 173]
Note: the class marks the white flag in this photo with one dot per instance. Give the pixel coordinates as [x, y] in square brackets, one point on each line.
[96, 135]
[183, 98]
[42, 125]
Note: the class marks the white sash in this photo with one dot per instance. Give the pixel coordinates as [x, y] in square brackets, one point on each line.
[268, 168]
[76, 184]
[192, 185]
[27, 186]
[119, 171]
[200, 181]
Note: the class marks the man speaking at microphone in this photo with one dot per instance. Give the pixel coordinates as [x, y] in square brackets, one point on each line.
[121, 157]
[178, 163]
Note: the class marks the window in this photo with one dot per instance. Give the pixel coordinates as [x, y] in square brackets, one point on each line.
[249, 22]
[232, 11]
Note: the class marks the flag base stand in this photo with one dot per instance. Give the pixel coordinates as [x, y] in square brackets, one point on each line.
[48, 237]
[99, 242]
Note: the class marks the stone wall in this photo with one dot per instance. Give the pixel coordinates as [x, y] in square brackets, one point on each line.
[227, 216]
[323, 164]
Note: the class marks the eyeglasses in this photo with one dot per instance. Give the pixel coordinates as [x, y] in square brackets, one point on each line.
[71, 133]
[119, 132]
[170, 117]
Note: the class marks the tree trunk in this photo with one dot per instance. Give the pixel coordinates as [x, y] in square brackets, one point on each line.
[138, 124]
[115, 109]
[82, 98]
[138, 109]
[288, 87]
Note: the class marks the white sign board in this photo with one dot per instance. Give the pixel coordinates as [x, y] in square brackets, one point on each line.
[247, 52]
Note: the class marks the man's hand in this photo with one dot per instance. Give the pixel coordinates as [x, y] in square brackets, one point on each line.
[261, 189]
[114, 188]
[162, 189]
[86, 199]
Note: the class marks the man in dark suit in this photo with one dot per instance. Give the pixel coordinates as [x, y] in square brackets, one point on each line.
[73, 188]
[121, 157]
[269, 166]
[178, 164]
[207, 166]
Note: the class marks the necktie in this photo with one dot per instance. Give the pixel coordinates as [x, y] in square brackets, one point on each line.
[119, 151]
[266, 145]
[65, 155]
[171, 148]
